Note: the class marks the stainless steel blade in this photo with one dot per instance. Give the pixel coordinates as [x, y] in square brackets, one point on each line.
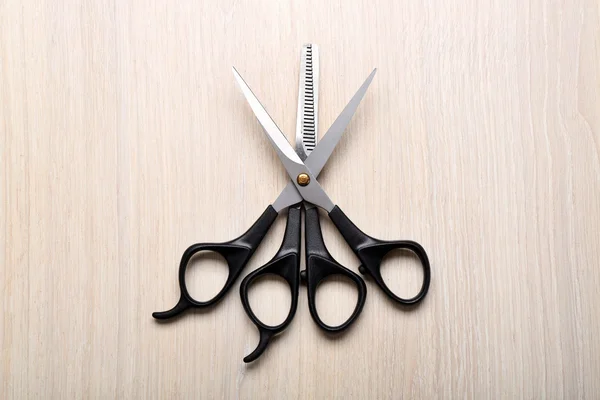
[319, 157]
[274, 133]
[307, 120]
[313, 192]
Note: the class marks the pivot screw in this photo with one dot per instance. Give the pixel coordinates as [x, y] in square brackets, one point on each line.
[303, 179]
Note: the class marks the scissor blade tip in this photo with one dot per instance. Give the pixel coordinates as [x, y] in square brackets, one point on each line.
[238, 78]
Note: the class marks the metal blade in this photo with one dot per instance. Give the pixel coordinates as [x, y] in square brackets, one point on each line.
[313, 192]
[308, 101]
[318, 158]
[274, 133]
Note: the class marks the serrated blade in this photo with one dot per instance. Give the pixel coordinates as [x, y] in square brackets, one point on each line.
[307, 120]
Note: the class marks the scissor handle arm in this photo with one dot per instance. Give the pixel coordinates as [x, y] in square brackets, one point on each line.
[321, 265]
[371, 252]
[237, 253]
[286, 264]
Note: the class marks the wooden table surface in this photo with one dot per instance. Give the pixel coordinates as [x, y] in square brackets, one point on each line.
[124, 139]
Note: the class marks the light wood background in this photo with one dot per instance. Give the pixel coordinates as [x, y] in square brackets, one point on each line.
[125, 139]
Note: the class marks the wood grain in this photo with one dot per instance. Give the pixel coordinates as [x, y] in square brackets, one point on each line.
[124, 139]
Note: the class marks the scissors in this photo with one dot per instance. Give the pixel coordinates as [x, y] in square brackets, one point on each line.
[303, 164]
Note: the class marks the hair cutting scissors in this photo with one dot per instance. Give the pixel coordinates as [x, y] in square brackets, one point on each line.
[303, 165]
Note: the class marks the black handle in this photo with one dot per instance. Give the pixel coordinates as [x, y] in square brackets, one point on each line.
[371, 252]
[320, 265]
[236, 252]
[286, 264]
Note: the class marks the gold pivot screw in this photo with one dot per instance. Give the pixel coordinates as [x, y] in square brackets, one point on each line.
[303, 179]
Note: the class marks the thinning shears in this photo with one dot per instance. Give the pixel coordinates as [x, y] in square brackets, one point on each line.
[303, 165]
